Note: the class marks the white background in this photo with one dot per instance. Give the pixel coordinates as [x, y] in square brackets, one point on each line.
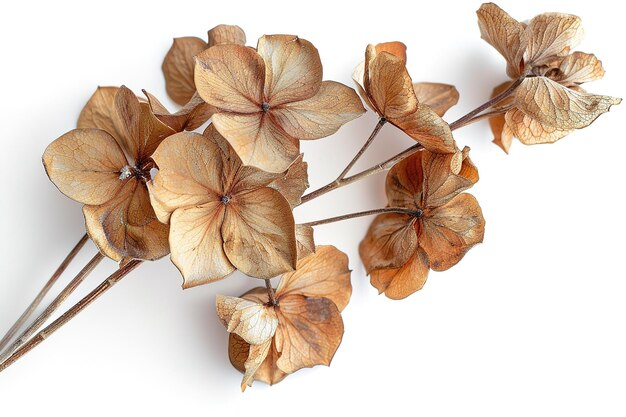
[529, 323]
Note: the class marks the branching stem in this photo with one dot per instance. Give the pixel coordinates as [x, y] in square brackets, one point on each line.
[402, 210]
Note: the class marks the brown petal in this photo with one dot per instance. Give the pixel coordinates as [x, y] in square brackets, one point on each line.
[390, 87]
[358, 77]
[178, 68]
[304, 241]
[443, 179]
[502, 134]
[259, 233]
[268, 372]
[99, 112]
[560, 107]
[429, 129]
[390, 241]
[550, 35]
[578, 68]
[230, 77]
[197, 245]
[395, 48]
[253, 322]
[85, 165]
[529, 131]
[399, 283]
[126, 226]
[451, 230]
[323, 274]
[321, 115]
[309, 332]
[293, 68]
[257, 140]
[505, 34]
[293, 182]
[193, 114]
[190, 173]
[439, 97]
[404, 183]
[226, 34]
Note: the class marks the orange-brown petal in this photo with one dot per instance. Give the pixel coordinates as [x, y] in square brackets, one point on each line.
[399, 283]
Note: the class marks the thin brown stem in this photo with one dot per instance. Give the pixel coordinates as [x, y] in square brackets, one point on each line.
[42, 294]
[71, 313]
[483, 116]
[368, 142]
[410, 212]
[270, 292]
[462, 121]
[67, 291]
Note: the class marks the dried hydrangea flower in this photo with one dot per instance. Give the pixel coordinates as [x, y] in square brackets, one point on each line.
[223, 215]
[301, 328]
[549, 103]
[386, 86]
[399, 249]
[105, 165]
[270, 98]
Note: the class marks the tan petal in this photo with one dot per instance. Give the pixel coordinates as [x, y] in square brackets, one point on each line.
[99, 112]
[256, 356]
[259, 233]
[502, 134]
[390, 87]
[230, 77]
[191, 170]
[193, 114]
[323, 274]
[126, 226]
[390, 241]
[293, 68]
[451, 230]
[399, 283]
[178, 68]
[395, 48]
[429, 129]
[258, 140]
[550, 35]
[197, 245]
[309, 332]
[253, 322]
[578, 68]
[529, 131]
[358, 77]
[555, 105]
[226, 34]
[85, 165]
[404, 184]
[439, 97]
[321, 115]
[467, 170]
[268, 372]
[304, 241]
[442, 181]
[505, 34]
[293, 182]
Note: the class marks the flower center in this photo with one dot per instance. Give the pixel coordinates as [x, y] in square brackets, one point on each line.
[225, 199]
[142, 173]
[265, 106]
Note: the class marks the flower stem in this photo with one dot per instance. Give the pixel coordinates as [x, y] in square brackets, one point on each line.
[270, 292]
[71, 313]
[43, 292]
[368, 142]
[67, 291]
[402, 210]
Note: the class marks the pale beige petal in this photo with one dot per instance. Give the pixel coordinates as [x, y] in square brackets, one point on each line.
[197, 245]
[390, 87]
[293, 182]
[226, 34]
[505, 34]
[451, 230]
[305, 242]
[322, 274]
[293, 68]
[578, 68]
[268, 372]
[99, 112]
[439, 97]
[259, 233]
[321, 115]
[253, 322]
[190, 173]
[256, 356]
[390, 241]
[551, 35]
[555, 105]
[193, 114]
[529, 131]
[309, 332]
[258, 140]
[427, 128]
[85, 165]
[178, 67]
[126, 227]
[399, 283]
[231, 77]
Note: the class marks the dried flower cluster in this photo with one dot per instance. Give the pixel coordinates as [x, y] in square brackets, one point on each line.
[222, 200]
